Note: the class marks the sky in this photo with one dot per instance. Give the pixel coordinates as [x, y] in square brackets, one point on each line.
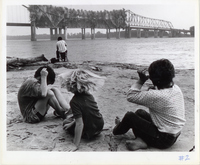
[181, 13]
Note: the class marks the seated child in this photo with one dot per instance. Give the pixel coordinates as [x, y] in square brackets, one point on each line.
[88, 120]
[160, 127]
[35, 96]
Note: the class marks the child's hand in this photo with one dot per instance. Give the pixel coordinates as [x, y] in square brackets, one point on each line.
[44, 72]
[143, 74]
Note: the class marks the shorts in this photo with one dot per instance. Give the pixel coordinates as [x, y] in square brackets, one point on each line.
[34, 116]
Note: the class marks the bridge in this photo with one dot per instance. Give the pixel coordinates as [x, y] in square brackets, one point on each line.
[59, 19]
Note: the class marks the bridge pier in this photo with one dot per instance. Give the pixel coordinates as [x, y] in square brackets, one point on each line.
[33, 32]
[128, 32]
[92, 33]
[138, 33]
[53, 34]
[108, 33]
[170, 33]
[146, 33]
[65, 32]
[179, 33]
[57, 32]
[83, 33]
[155, 33]
[161, 33]
[118, 33]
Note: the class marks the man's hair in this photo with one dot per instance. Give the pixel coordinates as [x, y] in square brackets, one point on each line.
[59, 38]
[51, 74]
[161, 72]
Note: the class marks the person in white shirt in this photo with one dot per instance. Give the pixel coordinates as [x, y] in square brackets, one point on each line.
[160, 127]
[61, 52]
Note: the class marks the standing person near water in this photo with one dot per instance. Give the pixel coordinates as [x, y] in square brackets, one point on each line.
[61, 52]
[161, 127]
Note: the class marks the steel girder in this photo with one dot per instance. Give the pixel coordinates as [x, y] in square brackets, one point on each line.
[135, 20]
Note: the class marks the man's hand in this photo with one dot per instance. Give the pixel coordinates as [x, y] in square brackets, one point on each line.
[143, 75]
[44, 72]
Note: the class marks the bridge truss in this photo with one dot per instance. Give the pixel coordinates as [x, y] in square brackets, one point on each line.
[50, 16]
[58, 19]
[135, 20]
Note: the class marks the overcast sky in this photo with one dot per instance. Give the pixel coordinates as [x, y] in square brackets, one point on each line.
[181, 13]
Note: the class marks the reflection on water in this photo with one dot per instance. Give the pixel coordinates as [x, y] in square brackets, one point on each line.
[138, 51]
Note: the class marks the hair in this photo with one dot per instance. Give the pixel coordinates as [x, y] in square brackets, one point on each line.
[81, 81]
[51, 74]
[161, 72]
[59, 38]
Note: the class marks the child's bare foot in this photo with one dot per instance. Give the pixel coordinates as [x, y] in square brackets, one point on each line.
[117, 120]
[136, 144]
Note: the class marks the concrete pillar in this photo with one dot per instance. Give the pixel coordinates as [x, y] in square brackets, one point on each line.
[56, 31]
[92, 33]
[161, 33]
[170, 33]
[54, 34]
[138, 33]
[108, 33]
[128, 32]
[60, 31]
[65, 32]
[51, 33]
[118, 33]
[33, 32]
[83, 33]
[146, 33]
[179, 33]
[173, 33]
[155, 33]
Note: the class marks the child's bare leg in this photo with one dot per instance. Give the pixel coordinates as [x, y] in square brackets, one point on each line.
[54, 103]
[135, 144]
[43, 104]
[64, 103]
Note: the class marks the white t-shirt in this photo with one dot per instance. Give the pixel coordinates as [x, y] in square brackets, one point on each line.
[62, 46]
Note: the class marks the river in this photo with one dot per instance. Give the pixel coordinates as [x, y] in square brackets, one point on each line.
[141, 51]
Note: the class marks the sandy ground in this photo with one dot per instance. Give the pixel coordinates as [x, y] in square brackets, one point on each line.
[49, 135]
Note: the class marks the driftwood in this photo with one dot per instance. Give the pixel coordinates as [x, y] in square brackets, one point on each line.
[24, 61]
[13, 62]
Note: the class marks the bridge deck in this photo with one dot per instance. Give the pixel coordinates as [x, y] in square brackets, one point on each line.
[18, 24]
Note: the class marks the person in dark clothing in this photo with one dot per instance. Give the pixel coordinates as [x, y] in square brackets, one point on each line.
[87, 120]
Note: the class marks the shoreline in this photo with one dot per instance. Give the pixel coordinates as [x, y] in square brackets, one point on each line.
[48, 135]
[74, 65]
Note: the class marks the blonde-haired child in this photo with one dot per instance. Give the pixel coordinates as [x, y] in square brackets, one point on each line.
[88, 120]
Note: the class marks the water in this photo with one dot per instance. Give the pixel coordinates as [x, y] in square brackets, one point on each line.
[180, 51]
